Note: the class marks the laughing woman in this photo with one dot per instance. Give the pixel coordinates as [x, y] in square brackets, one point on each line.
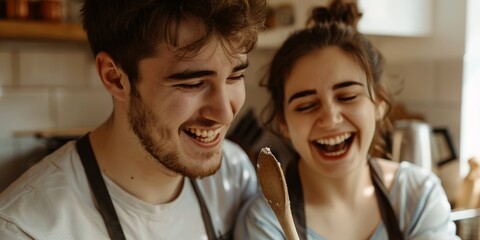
[328, 100]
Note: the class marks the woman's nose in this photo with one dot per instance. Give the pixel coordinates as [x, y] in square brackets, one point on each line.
[329, 116]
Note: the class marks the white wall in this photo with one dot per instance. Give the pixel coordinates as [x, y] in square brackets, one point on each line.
[44, 85]
[470, 146]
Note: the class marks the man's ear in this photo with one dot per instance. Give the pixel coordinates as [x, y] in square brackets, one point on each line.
[113, 78]
[380, 109]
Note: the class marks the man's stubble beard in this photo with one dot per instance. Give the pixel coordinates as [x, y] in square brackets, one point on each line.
[143, 123]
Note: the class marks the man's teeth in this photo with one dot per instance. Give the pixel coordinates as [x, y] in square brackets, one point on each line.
[204, 135]
[334, 140]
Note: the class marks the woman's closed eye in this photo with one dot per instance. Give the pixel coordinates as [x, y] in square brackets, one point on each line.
[347, 98]
[306, 107]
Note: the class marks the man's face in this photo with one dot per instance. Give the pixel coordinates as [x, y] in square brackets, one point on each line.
[183, 107]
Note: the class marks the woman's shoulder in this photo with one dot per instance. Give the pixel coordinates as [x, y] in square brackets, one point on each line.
[413, 173]
[406, 175]
[389, 170]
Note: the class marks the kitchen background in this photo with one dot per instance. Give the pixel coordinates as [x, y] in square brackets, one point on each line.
[52, 85]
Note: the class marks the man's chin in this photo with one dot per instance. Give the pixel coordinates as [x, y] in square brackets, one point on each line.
[202, 172]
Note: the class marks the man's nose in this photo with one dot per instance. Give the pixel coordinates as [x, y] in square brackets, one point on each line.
[218, 106]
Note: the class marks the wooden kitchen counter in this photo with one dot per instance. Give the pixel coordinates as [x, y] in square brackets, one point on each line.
[53, 133]
[54, 138]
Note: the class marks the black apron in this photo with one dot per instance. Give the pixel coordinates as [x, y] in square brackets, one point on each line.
[298, 210]
[104, 201]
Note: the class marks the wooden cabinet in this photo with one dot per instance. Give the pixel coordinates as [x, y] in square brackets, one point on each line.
[31, 30]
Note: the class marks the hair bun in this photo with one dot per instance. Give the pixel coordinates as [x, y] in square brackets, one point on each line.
[338, 11]
[321, 15]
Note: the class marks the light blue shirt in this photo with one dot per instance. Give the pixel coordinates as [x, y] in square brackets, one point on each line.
[417, 197]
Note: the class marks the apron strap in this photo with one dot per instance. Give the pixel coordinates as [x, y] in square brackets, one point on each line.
[298, 209]
[295, 193]
[105, 205]
[205, 214]
[99, 188]
[388, 214]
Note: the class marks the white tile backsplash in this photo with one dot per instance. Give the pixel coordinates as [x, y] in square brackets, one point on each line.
[24, 109]
[415, 80]
[52, 68]
[6, 74]
[82, 107]
[448, 81]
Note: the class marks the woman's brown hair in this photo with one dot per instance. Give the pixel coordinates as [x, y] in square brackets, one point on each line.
[333, 25]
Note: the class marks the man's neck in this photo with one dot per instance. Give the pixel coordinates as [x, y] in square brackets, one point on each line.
[132, 168]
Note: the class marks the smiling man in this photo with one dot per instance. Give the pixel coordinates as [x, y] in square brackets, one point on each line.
[159, 167]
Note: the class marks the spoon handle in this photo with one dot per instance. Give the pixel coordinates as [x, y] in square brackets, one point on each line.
[274, 187]
[288, 226]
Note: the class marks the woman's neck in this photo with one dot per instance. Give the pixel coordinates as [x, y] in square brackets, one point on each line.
[349, 188]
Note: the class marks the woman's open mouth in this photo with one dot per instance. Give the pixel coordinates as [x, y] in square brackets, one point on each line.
[335, 146]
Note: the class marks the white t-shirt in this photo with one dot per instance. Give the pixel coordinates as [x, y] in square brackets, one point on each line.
[52, 200]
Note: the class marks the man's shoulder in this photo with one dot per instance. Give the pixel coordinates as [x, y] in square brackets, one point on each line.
[230, 147]
[43, 191]
[236, 170]
[234, 159]
[45, 174]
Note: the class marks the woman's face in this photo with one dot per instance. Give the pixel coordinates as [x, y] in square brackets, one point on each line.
[329, 115]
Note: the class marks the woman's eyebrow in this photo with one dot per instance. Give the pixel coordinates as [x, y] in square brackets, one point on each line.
[313, 92]
[302, 94]
[346, 84]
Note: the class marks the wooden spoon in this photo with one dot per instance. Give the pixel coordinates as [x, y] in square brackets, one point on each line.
[274, 189]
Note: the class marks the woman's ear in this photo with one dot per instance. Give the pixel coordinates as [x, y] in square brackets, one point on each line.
[112, 77]
[380, 110]
[284, 129]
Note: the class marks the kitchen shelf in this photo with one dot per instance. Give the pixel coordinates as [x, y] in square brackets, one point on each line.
[32, 30]
[273, 38]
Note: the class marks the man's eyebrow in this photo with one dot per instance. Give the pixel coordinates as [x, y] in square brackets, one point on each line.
[189, 74]
[241, 66]
[346, 84]
[302, 94]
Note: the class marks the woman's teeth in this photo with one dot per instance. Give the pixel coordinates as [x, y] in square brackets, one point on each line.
[204, 135]
[334, 140]
[334, 146]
